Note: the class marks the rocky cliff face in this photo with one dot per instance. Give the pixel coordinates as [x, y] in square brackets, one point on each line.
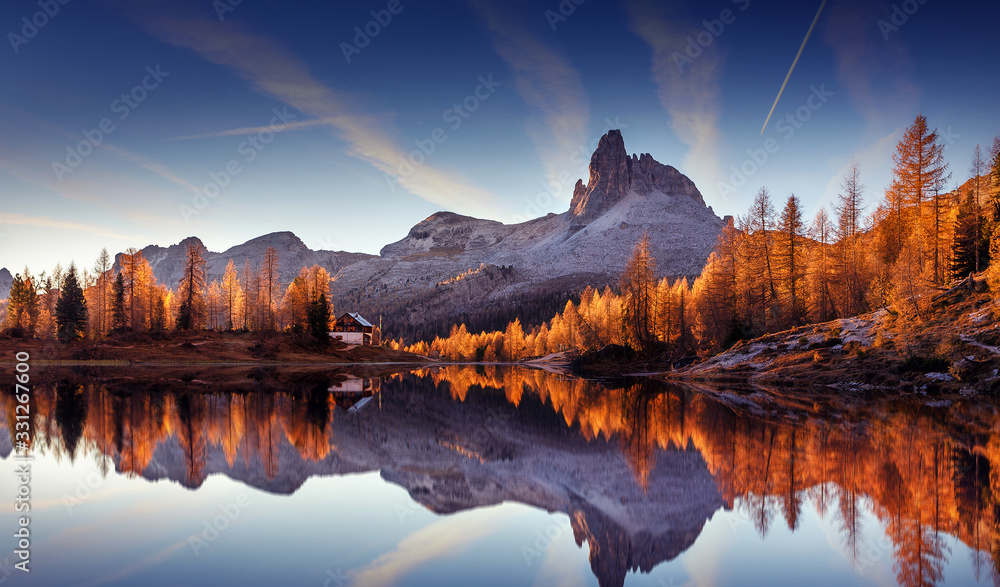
[6, 280]
[613, 174]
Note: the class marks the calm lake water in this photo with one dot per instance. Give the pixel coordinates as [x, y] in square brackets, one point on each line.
[490, 476]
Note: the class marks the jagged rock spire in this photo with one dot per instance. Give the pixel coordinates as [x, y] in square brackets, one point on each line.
[613, 174]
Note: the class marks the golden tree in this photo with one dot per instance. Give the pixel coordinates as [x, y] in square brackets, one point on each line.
[919, 170]
[638, 296]
[232, 294]
[270, 287]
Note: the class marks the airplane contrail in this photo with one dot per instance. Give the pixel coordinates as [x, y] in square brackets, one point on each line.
[790, 70]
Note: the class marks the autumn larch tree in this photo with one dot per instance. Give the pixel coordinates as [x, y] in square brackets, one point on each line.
[102, 269]
[513, 341]
[131, 261]
[22, 305]
[295, 305]
[821, 231]
[192, 309]
[756, 275]
[851, 284]
[638, 289]
[918, 169]
[71, 309]
[269, 286]
[232, 293]
[251, 296]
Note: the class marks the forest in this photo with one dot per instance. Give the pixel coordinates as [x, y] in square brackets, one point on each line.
[96, 303]
[772, 270]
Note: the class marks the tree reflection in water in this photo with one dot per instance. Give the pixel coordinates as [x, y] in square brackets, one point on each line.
[923, 472]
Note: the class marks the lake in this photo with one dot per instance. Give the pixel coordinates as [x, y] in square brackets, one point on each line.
[492, 476]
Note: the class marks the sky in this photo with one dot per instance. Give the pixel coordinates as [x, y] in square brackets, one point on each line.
[134, 122]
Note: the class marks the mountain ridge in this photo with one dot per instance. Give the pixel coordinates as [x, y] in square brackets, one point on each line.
[450, 267]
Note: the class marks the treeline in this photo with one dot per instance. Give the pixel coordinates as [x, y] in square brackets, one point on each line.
[125, 297]
[424, 314]
[772, 270]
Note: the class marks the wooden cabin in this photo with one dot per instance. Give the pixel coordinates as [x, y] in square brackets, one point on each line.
[352, 328]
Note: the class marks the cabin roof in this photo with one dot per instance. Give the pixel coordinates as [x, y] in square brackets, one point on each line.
[358, 318]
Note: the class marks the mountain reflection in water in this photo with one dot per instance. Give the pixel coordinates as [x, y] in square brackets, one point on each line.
[639, 466]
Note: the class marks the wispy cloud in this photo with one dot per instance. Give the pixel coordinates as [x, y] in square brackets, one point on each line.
[32, 143]
[161, 170]
[252, 130]
[273, 70]
[547, 83]
[690, 95]
[875, 73]
[45, 222]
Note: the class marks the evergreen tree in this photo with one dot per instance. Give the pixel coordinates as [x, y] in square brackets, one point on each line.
[71, 309]
[319, 318]
[119, 318]
[790, 257]
[967, 239]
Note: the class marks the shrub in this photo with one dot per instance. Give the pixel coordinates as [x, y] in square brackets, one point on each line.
[924, 364]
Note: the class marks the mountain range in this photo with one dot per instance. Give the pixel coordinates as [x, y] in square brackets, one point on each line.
[451, 267]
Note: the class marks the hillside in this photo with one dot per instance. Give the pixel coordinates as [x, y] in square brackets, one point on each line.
[201, 347]
[956, 350]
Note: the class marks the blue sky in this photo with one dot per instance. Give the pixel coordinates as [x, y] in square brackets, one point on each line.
[129, 123]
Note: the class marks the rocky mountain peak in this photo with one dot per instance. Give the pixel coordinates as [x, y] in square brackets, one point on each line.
[276, 239]
[613, 174]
